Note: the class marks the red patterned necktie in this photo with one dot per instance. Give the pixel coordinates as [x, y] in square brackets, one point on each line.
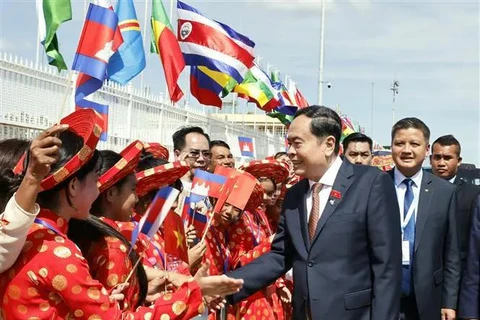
[315, 212]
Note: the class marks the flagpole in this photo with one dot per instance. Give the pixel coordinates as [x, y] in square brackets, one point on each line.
[322, 54]
[37, 54]
[145, 21]
[172, 2]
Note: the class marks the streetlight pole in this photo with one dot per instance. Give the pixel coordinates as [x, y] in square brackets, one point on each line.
[322, 54]
[394, 89]
[371, 111]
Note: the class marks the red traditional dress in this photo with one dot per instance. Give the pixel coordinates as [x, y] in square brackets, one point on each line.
[51, 280]
[250, 238]
[218, 256]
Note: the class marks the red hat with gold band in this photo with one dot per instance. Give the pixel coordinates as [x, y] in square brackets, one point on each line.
[126, 165]
[87, 124]
[256, 198]
[277, 170]
[247, 192]
[157, 150]
[161, 176]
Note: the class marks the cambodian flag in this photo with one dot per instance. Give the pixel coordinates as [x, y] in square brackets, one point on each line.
[156, 213]
[246, 147]
[191, 217]
[99, 40]
[205, 184]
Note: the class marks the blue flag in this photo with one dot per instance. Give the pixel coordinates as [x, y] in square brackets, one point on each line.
[129, 60]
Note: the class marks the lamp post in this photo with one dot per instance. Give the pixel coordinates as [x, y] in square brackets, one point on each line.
[394, 89]
[321, 56]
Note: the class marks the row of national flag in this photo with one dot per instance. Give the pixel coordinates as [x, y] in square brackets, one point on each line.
[221, 60]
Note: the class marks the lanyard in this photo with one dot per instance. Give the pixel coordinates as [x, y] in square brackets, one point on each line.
[225, 256]
[47, 225]
[161, 255]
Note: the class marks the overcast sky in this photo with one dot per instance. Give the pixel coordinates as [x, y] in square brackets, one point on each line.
[430, 47]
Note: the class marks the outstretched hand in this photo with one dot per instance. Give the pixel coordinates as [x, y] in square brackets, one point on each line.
[216, 285]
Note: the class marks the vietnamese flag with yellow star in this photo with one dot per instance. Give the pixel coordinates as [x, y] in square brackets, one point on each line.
[174, 235]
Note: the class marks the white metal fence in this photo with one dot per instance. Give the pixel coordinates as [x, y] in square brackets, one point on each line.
[32, 99]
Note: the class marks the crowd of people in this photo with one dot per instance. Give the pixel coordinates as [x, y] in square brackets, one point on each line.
[310, 233]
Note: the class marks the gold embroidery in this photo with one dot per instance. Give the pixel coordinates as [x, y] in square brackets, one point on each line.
[121, 164]
[93, 293]
[84, 153]
[14, 292]
[178, 307]
[59, 282]
[60, 175]
[112, 280]
[71, 268]
[62, 252]
[76, 289]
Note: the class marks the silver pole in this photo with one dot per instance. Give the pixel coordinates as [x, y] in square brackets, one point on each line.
[145, 24]
[371, 111]
[322, 54]
[394, 89]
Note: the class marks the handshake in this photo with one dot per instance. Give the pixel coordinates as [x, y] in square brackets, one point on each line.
[213, 288]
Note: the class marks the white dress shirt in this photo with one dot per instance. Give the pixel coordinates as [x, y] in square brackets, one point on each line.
[401, 189]
[326, 181]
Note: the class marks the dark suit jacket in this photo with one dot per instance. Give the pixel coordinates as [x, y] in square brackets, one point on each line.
[352, 268]
[465, 202]
[436, 261]
[469, 298]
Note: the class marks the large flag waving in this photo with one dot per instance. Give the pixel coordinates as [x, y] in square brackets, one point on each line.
[166, 45]
[257, 88]
[51, 14]
[208, 43]
[206, 85]
[129, 60]
[98, 42]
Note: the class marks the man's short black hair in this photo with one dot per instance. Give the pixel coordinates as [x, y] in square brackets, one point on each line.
[219, 143]
[448, 140]
[356, 137]
[411, 123]
[325, 122]
[179, 136]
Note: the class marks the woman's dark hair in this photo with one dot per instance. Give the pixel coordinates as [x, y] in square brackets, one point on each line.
[262, 179]
[11, 150]
[148, 161]
[71, 145]
[109, 159]
[84, 232]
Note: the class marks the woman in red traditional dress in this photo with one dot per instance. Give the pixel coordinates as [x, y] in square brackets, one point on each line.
[155, 173]
[51, 278]
[269, 173]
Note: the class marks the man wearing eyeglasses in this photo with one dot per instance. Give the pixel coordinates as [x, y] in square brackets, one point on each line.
[192, 145]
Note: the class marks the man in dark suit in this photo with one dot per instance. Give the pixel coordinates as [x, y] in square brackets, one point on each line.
[338, 231]
[469, 298]
[445, 160]
[430, 254]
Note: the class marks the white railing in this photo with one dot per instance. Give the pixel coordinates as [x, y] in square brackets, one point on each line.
[32, 99]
